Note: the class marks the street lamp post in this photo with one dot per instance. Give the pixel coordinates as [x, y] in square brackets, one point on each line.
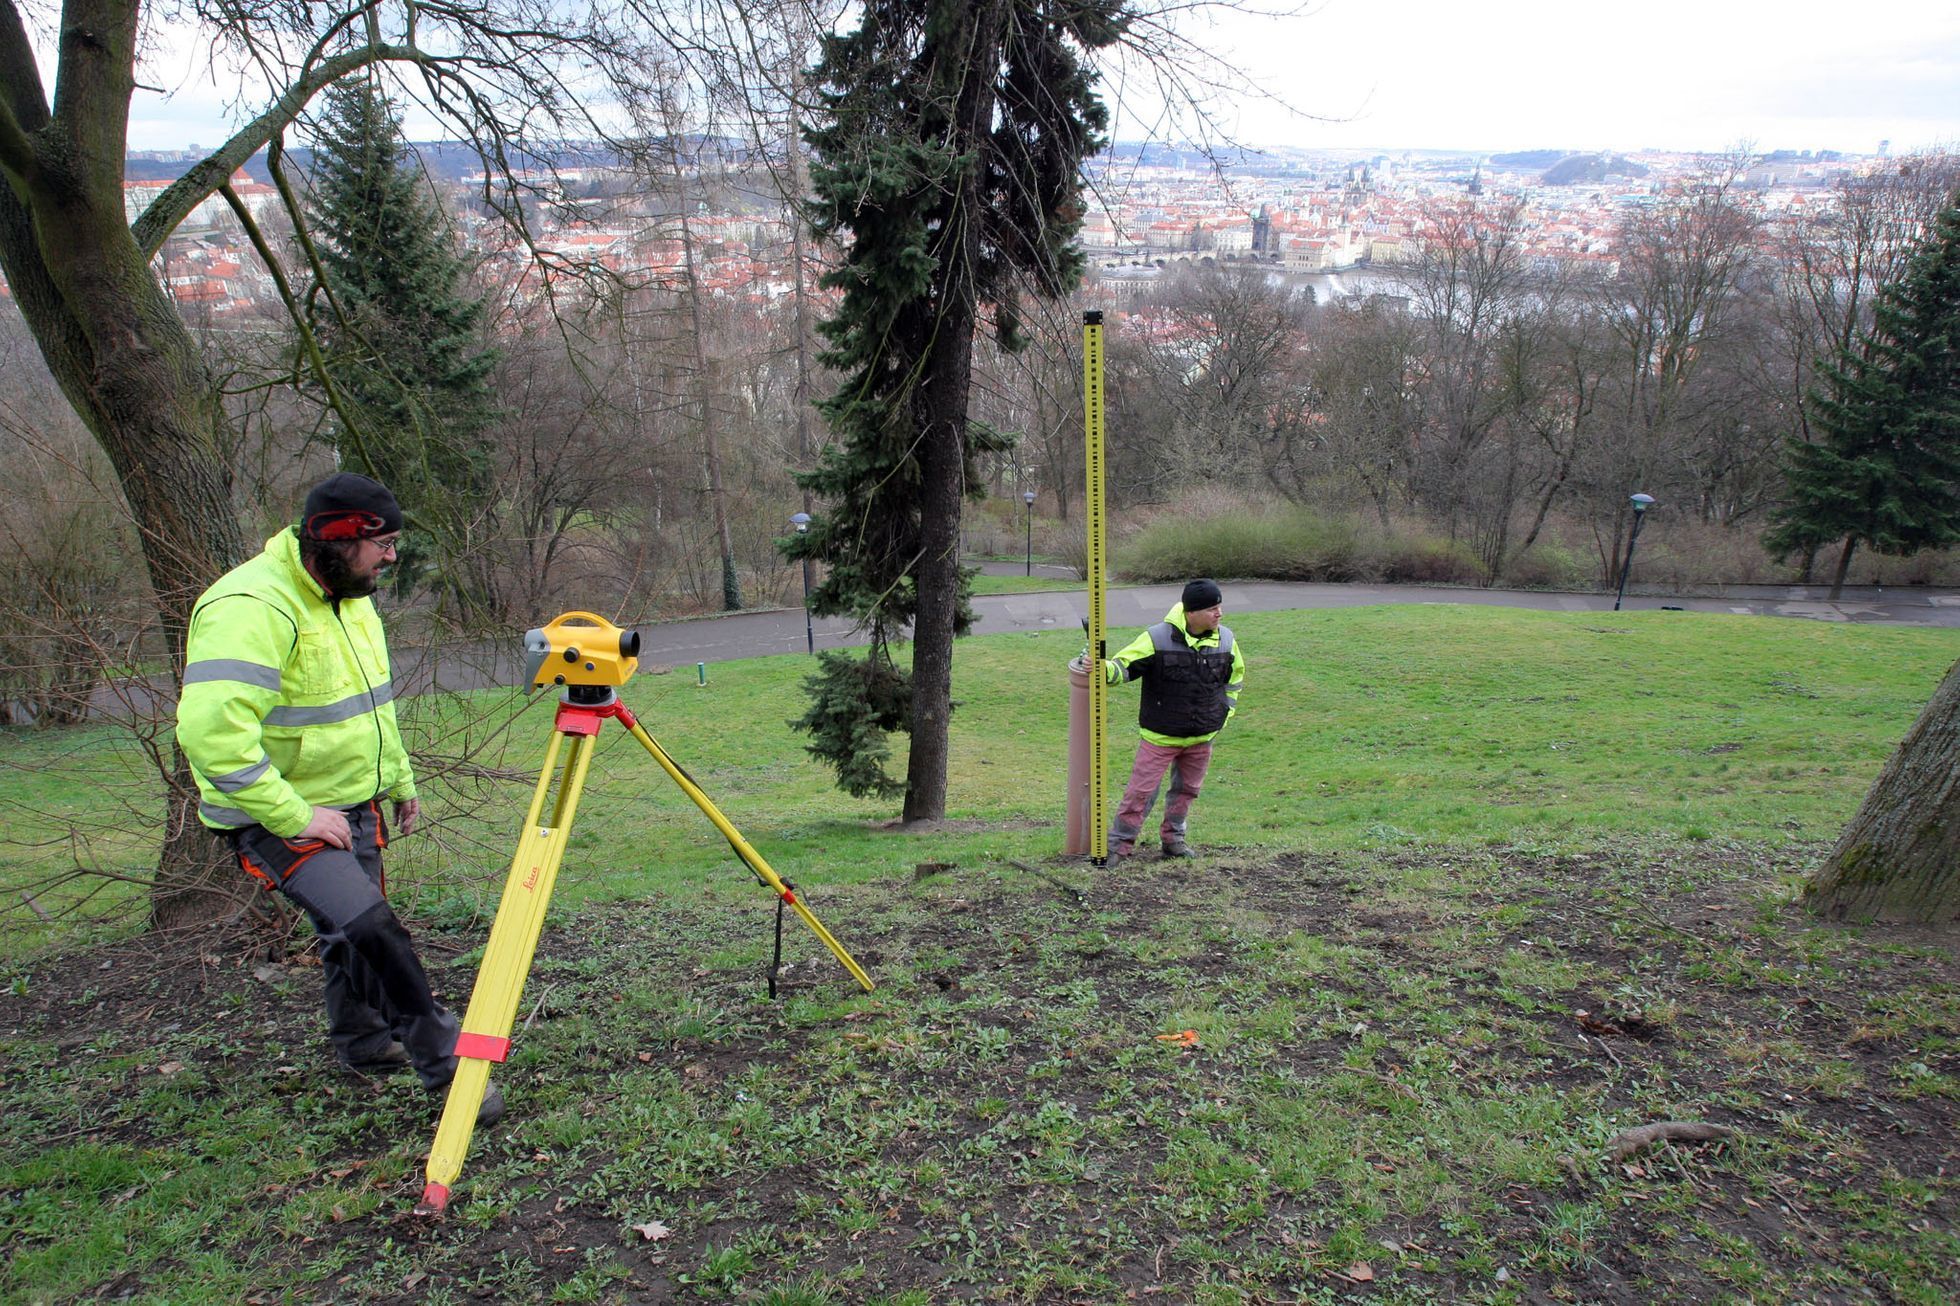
[801, 521]
[1027, 497]
[1641, 502]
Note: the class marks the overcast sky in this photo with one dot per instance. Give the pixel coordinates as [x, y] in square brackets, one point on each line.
[1671, 74]
[1521, 74]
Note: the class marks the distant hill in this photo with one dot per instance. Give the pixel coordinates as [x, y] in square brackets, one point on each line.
[1586, 168]
[1159, 155]
[445, 160]
[1524, 159]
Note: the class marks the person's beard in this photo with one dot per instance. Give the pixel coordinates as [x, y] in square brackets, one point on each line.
[336, 569]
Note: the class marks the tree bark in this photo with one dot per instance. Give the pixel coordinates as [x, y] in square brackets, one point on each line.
[1899, 858]
[942, 407]
[731, 585]
[1843, 567]
[124, 359]
[798, 185]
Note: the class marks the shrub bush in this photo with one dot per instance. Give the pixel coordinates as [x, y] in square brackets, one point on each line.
[1927, 567]
[1548, 566]
[1283, 544]
[1677, 554]
[1431, 561]
[1426, 560]
[984, 535]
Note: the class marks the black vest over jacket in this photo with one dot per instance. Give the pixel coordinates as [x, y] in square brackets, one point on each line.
[1184, 688]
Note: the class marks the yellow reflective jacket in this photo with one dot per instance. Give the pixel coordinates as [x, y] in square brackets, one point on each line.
[288, 702]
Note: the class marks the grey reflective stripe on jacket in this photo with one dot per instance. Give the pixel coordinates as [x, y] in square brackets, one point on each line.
[225, 816]
[326, 714]
[233, 781]
[208, 670]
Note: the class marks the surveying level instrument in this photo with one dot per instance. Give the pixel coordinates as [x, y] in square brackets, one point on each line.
[590, 658]
[1093, 432]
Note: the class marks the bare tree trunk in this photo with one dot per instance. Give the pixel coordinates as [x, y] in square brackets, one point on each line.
[802, 395]
[801, 291]
[942, 466]
[1899, 859]
[126, 362]
[1809, 567]
[731, 584]
[942, 408]
[197, 875]
[1843, 567]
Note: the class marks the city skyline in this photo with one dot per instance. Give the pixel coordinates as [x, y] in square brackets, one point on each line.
[1688, 75]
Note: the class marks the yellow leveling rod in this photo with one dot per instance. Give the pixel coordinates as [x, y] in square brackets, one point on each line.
[507, 958]
[1093, 432]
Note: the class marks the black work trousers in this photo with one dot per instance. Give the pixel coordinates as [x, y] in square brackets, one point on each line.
[376, 989]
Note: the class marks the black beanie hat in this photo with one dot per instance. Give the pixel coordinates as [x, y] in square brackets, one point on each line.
[349, 506]
[1202, 594]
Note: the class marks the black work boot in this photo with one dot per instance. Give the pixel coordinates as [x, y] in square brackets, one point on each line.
[1177, 848]
[492, 1109]
[488, 1112]
[387, 1061]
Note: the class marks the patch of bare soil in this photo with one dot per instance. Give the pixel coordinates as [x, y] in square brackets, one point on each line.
[1020, 1113]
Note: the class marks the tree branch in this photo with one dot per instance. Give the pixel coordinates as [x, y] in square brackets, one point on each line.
[308, 342]
[95, 75]
[1623, 1145]
[24, 106]
[170, 208]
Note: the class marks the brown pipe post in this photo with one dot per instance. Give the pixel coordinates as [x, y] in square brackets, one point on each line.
[1076, 840]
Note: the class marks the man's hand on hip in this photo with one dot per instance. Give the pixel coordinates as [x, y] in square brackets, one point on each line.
[330, 827]
[407, 812]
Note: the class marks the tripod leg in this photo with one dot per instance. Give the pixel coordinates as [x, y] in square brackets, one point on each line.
[750, 857]
[506, 962]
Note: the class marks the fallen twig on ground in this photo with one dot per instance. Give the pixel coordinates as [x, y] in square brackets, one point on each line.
[1623, 1145]
[1046, 878]
[1607, 1048]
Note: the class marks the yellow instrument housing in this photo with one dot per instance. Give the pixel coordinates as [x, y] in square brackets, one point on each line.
[581, 648]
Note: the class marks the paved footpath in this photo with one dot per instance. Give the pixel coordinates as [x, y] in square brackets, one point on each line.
[681, 644]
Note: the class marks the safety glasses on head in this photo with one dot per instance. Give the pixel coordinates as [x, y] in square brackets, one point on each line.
[345, 524]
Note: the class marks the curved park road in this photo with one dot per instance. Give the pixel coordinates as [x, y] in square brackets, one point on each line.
[681, 644]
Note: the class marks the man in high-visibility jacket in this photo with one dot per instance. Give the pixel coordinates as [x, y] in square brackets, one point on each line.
[288, 721]
[1191, 669]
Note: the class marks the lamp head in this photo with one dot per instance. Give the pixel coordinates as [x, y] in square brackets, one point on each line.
[1027, 497]
[801, 521]
[1642, 502]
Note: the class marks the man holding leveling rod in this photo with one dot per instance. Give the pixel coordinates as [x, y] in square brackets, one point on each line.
[288, 721]
[1191, 669]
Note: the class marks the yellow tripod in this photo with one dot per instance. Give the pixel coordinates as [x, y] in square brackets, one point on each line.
[590, 657]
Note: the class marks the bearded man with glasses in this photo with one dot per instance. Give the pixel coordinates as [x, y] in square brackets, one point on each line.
[288, 720]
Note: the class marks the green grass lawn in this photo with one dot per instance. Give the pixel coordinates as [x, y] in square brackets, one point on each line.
[1020, 584]
[1434, 836]
[1361, 728]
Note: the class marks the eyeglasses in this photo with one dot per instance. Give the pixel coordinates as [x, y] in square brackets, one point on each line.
[387, 543]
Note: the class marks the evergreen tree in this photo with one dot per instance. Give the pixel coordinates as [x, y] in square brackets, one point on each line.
[947, 160]
[404, 337]
[1885, 470]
